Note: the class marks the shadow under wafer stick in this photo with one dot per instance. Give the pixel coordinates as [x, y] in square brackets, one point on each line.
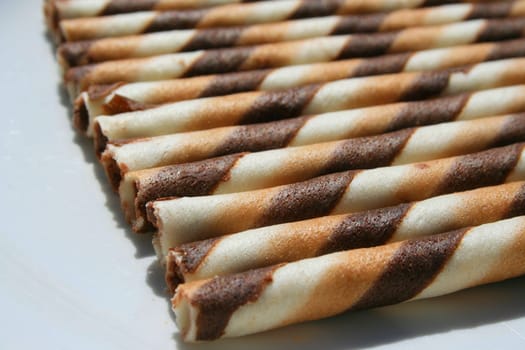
[138, 154]
[477, 77]
[252, 171]
[276, 244]
[73, 54]
[189, 219]
[122, 97]
[224, 16]
[274, 55]
[315, 288]
[257, 107]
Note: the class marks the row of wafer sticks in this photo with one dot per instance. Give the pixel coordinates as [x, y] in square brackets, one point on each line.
[300, 158]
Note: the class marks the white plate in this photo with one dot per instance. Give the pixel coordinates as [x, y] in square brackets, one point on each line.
[75, 277]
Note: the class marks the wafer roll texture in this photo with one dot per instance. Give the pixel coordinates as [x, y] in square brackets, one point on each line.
[310, 289]
[321, 49]
[276, 244]
[190, 219]
[121, 157]
[85, 52]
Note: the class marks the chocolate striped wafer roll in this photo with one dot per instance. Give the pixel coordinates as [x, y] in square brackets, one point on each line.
[252, 171]
[122, 97]
[276, 244]
[224, 16]
[189, 219]
[258, 300]
[138, 154]
[84, 52]
[57, 10]
[292, 53]
[256, 107]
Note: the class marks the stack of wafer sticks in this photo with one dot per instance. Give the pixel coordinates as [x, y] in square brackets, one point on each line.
[296, 159]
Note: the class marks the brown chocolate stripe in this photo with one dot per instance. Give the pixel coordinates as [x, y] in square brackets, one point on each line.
[490, 10]
[412, 268]
[317, 8]
[382, 65]
[191, 179]
[359, 24]
[219, 61]
[505, 29]
[123, 6]
[260, 137]
[367, 45]
[365, 229]
[234, 82]
[428, 112]
[508, 49]
[367, 152]
[277, 105]
[169, 20]
[480, 169]
[80, 115]
[193, 254]
[220, 297]
[427, 84]
[304, 200]
[213, 38]
[517, 207]
[513, 130]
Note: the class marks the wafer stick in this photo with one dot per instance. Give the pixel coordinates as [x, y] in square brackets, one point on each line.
[222, 16]
[251, 171]
[57, 10]
[310, 289]
[256, 107]
[121, 97]
[276, 244]
[84, 52]
[189, 219]
[292, 53]
[138, 154]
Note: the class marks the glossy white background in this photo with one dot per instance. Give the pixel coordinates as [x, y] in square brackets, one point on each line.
[73, 276]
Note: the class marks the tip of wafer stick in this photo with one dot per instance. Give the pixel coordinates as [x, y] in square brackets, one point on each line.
[174, 275]
[80, 115]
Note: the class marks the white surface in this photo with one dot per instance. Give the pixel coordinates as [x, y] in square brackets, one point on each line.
[75, 277]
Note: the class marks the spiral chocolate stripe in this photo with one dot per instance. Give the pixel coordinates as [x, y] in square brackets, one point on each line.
[257, 107]
[121, 157]
[121, 98]
[219, 16]
[193, 218]
[309, 238]
[274, 55]
[300, 163]
[84, 52]
[331, 284]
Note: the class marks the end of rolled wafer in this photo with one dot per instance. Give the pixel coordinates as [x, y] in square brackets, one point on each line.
[100, 140]
[113, 170]
[74, 54]
[52, 18]
[80, 115]
[74, 79]
[173, 276]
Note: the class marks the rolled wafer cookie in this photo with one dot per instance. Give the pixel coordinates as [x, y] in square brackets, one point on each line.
[256, 107]
[57, 10]
[252, 171]
[189, 219]
[258, 300]
[223, 16]
[273, 55]
[276, 244]
[121, 97]
[138, 154]
[85, 52]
